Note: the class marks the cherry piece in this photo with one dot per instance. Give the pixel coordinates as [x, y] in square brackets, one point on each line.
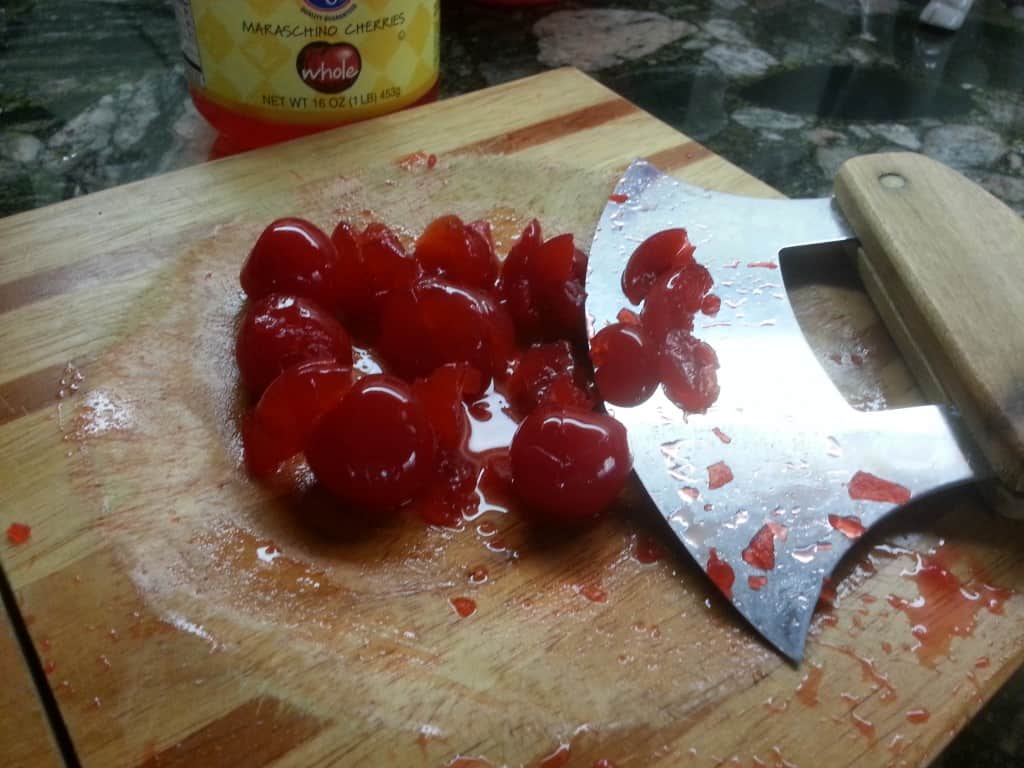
[281, 330]
[18, 533]
[760, 553]
[293, 256]
[710, 305]
[288, 411]
[441, 395]
[674, 299]
[386, 265]
[354, 295]
[464, 606]
[437, 322]
[721, 573]
[662, 251]
[568, 463]
[719, 474]
[543, 286]
[625, 366]
[457, 252]
[868, 487]
[849, 525]
[546, 373]
[687, 367]
[375, 449]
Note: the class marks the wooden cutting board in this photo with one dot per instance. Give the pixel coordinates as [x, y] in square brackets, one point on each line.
[193, 617]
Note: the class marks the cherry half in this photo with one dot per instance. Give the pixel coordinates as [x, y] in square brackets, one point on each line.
[375, 449]
[659, 253]
[294, 256]
[625, 364]
[289, 409]
[569, 464]
[281, 330]
[437, 322]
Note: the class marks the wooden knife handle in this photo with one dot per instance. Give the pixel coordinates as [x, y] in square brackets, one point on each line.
[944, 262]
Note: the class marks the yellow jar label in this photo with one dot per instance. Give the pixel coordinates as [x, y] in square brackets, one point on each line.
[311, 61]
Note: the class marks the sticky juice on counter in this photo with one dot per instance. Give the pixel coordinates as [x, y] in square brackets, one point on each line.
[263, 71]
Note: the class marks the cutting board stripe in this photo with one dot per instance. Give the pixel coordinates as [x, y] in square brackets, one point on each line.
[552, 129]
[254, 734]
[31, 392]
[674, 158]
[54, 282]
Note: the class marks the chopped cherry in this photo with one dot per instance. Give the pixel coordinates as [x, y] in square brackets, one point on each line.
[760, 553]
[294, 256]
[674, 299]
[457, 252]
[663, 251]
[280, 331]
[688, 368]
[710, 305]
[442, 394]
[288, 411]
[546, 373]
[625, 366]
[568, 463]
[354, 295]
[375, 449]
[437, 322]
[384, 268]
[543, 286]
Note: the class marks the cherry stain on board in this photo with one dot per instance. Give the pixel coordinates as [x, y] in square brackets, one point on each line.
[464, 606]
[647, 550]
[557, 759]
[866, 727]
[807, 691]
[918, 716]
[947, 606]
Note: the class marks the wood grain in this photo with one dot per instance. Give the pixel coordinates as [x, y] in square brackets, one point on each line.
[149, 570]
[946, 258]
[25, 737]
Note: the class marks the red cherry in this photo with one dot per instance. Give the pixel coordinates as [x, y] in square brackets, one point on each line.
[625, 365]
[450, 249]
[543, 286]
[288, 411]
[280, 331]
[674, 299]
[375, 449]
[293, 256]
[437, 322]
[546, 373]
[442, 394]
[662, 251]
[386, 264]
[687, 367]
[354, 295]
[569, 464]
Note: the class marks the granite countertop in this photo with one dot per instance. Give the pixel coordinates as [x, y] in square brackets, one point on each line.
[786, 90]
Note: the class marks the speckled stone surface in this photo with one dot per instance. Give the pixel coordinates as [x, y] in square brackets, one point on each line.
[786, 89]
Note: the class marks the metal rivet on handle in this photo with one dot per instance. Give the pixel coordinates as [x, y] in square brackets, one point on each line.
[892, 181]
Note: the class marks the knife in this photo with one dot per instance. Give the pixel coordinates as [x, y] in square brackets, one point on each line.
[942, 259]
